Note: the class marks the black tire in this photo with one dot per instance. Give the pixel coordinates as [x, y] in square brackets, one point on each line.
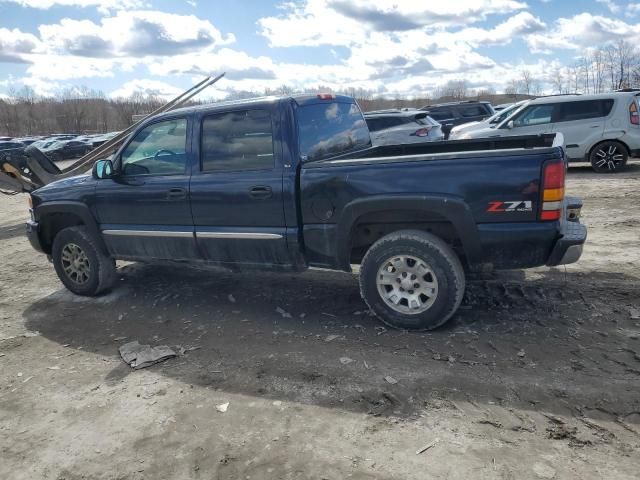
[437, 256]
[100, 269]
[608, 157]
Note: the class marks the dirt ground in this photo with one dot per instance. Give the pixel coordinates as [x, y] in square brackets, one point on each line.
[538, 376]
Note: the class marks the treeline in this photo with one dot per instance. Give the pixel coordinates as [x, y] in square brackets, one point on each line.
[76, 110]
[82, 110]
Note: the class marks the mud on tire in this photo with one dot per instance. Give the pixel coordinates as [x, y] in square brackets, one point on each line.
[80, 263]
[412, 279]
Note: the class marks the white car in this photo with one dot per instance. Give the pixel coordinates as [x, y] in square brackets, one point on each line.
[491, 122]
[398, 127]
[602, 129]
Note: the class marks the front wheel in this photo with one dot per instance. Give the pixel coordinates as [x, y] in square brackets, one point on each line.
[80, 263]
[412, 279]
[608, 157]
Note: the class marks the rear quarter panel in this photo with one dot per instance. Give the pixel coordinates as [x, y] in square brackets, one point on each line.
[478, 179]
[500, 188]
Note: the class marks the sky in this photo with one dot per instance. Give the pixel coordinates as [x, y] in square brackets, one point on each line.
[403, 48]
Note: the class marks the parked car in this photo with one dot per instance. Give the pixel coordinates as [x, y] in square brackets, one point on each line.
[11, 147]
[389, 127]
[64, 149]
[292, 183]
[456, 113]
[490, 122]
[502, 106]
[602, 129]
[27, 140]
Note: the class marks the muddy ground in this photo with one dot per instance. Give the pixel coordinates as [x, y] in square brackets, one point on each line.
[538, 376]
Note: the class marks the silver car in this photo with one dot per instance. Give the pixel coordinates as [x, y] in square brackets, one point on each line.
[602, 129]
[491, 122]
[396, 127]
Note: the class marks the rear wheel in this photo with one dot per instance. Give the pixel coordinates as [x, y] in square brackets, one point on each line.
[412, 279]
[80, 263]
[608, 157]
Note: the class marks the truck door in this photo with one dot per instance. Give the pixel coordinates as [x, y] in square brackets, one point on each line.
[582, 124]
[144, 210]
[236, 193]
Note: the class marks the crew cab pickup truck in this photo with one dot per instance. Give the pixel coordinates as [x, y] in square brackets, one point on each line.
[291, 183]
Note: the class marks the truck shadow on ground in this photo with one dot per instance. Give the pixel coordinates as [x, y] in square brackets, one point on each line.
[550, 342]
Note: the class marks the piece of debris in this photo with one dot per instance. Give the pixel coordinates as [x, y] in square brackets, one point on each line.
[141, 356]
[544, 471]
[391, 380]
[493, 423]
[345, 360]
[428, 446]
[634, 313]
[331, 338]
[521, 353]
[26, 379]
[283, 312]
[55, 367]
[119, 339]
[231, 298]
[222, 408]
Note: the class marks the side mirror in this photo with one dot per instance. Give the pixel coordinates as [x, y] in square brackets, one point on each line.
[102, 169]
[510, 125]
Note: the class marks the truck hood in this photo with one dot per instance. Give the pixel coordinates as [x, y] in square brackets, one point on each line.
[71, 188]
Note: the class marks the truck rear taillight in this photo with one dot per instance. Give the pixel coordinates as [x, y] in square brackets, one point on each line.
[326, 96]
[423, 132]
[634, 118]
[552, 190]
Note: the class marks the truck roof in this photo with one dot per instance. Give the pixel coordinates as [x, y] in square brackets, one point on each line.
[301, 99]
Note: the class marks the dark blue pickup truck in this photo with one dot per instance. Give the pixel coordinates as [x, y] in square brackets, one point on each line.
[291, 183]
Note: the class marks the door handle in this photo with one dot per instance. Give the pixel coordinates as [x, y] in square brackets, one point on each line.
[176, 194]
[260, 192]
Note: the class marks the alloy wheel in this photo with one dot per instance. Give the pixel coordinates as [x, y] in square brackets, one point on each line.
[407, 284]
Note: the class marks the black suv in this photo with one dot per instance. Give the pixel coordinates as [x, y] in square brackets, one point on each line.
[456, 113]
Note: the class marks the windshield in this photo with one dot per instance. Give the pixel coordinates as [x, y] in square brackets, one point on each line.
[330, 129]
[504, 114]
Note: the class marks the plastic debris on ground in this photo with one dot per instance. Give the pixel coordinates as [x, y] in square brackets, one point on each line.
[140, 356]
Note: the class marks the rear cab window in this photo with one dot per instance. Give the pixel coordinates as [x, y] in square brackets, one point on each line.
[328, 129]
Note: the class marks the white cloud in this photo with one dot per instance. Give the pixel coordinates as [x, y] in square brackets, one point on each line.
[521, 24]
[581, 31]
[101, 5]
[611, 5]
[342, 22]
[146, 87]
[133, 33]
[14, 44]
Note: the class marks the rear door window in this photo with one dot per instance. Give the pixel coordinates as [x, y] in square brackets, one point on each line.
[330, 129]
[241, 140]
[583, 110]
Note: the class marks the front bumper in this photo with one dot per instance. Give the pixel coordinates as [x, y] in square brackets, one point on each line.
[33, 234]
[568, 247]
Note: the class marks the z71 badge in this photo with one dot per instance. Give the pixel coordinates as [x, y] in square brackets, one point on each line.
[518, 206]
